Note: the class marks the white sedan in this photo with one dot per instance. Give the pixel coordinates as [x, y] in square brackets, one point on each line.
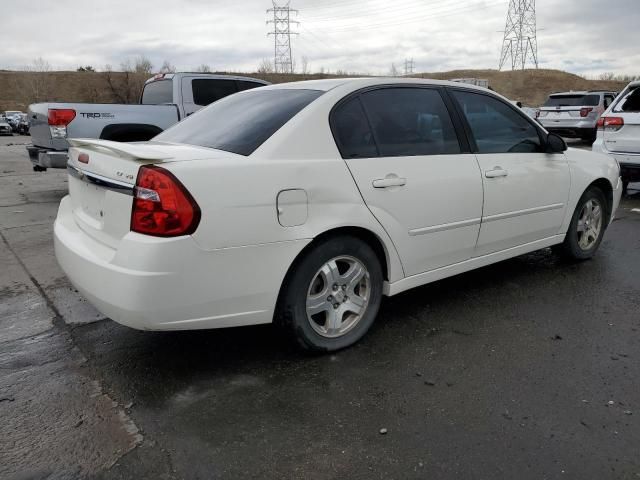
[304, 203]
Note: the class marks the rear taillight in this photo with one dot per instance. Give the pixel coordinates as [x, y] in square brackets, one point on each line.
[585, 111]
[59, 118]
[610, 123]
[162, 206]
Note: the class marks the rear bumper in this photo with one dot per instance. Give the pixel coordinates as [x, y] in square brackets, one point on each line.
[629, 162]
[152, 283]
[46, 158]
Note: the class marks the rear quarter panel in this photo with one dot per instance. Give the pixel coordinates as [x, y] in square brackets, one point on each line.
[238, 195]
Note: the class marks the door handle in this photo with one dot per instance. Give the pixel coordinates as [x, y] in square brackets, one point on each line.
[496, 172]
[389, 181]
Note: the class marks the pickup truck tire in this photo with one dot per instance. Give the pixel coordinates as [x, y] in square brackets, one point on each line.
[129, 132]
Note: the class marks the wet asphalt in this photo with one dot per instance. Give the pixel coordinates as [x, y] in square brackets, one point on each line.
[525, 369]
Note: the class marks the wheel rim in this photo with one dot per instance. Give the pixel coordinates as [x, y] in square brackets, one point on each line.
[338, 296]
[589, 224]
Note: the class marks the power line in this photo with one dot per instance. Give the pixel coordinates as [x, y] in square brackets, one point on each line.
[481, 5]
[520, 43]
[282, 57]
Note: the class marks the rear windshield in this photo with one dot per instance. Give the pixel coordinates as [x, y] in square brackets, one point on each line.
[156, 93]
[242, 122]
[573, 101]
[630, 102]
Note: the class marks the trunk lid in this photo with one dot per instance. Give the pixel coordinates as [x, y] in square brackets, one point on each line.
[102, 177]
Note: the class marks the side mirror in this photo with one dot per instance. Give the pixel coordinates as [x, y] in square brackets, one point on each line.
[555, 143]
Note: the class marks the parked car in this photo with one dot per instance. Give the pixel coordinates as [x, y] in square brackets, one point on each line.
[13, 119]
[532, 112]
[575, 114]
[165, 99]
[23, 125]
[5, 128]
[619, 133]
[304, 203]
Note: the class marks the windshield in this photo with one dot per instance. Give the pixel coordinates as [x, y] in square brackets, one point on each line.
[242, 122]
[573, 101]
[158, 92]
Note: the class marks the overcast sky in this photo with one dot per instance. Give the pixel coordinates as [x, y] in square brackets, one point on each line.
[366, 36]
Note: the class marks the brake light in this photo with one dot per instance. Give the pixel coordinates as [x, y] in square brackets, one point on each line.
[610, 123]
[162, 206]
[61, 117]
[58, 119]
[585, 111]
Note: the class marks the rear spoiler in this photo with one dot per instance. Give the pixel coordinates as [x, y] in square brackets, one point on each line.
[124, 150]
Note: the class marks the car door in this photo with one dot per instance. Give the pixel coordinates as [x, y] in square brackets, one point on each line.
[525, 189]
[405, 155]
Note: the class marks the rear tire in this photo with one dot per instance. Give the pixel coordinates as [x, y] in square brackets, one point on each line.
[332, 295]
[587, 227]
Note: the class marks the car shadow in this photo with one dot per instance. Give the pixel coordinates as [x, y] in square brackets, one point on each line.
[154, 367]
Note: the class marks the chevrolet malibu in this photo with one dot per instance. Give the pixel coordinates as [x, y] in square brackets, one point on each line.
[302, 204]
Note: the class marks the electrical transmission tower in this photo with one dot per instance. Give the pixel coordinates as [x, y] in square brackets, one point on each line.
[520, 44]
[408, 66]
[282, 58]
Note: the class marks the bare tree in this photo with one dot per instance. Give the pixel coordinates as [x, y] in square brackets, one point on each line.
[38, 84]
[204, 68]
[265, 66]
[142, 64]
[304, 62]
[167, 67]
[607, 76]
[126, 85]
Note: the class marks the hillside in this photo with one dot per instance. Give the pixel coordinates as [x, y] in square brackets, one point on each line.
[19, 89]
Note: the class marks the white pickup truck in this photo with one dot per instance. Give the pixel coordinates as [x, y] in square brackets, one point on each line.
[165, 100]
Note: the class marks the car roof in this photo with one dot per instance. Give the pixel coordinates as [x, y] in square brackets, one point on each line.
[363, 82]
[215, 76]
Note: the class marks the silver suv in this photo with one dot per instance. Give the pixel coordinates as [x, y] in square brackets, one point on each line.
[575, 114]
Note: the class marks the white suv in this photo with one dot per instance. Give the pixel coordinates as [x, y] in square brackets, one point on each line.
[575, 114]
[619, 133]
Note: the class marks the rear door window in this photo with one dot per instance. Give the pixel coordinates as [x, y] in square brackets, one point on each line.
[351, 130]
[496, 126]
[157, 93]
[240, 123]
[608, 99]
[410, 121]
[207, 91]
[247, 85]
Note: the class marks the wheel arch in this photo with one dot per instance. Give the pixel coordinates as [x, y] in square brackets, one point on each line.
[129, 132]
[361, 233]
[605, 186]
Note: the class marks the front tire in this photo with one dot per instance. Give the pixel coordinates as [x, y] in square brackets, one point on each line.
[332, 296]
[587, 227]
